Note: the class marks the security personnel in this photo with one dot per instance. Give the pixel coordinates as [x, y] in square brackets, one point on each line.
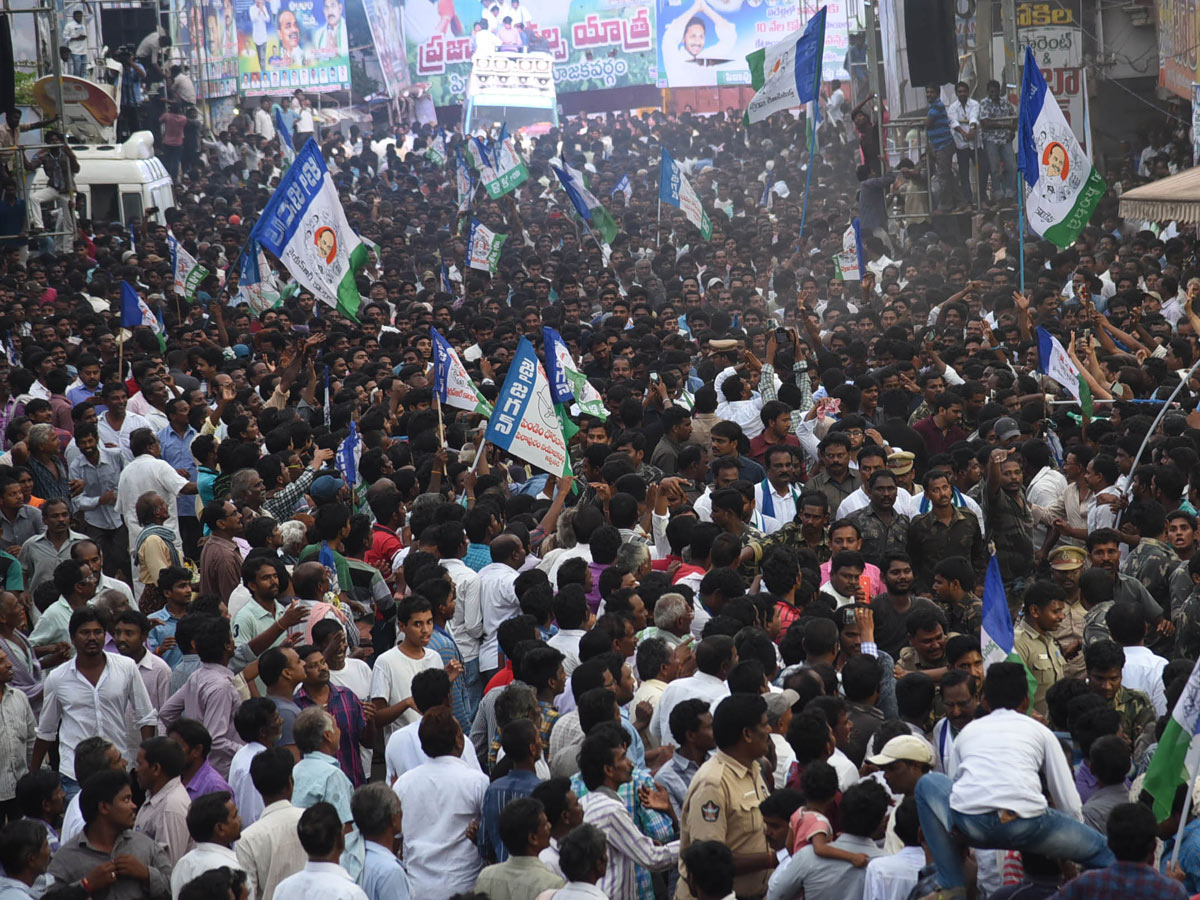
[1066, 565]
[1033, 638]
[722, 801]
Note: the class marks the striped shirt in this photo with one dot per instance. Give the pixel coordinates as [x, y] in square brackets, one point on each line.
[443, 642]
[937, 126]
[627, 847]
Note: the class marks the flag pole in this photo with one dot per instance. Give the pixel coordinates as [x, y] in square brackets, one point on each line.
[437, 402]
[1183, 816]
[812, 147]
[1021, 227]
[658, 224]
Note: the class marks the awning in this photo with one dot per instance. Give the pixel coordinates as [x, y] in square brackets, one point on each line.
[1176, 198]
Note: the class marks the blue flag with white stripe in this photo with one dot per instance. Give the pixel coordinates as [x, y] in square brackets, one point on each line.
[349, 452]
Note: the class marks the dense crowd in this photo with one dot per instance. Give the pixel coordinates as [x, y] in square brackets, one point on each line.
[736, 653]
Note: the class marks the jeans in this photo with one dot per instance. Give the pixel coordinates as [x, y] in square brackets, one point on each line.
[943, 176]
[70, 787]
[1002, 170]
[474, 684]
[965, 158]
[1051, 834]
[79, 64]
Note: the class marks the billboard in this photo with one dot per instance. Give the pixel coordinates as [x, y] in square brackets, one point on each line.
[704, 43]
[206, 31]
[289, 44]
[595, 44]
[1178, 36]
[383, 17]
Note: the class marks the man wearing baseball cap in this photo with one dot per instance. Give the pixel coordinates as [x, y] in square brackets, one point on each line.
[903, 759]
[995, 799]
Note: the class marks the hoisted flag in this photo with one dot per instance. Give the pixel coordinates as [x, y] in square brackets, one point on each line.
[624, 187]
[1174, 761]
[257, 286]
[305, 226]
[436, 151]
[451, 382]
[508, 170]
[1054, 361]
[674, 190]
[850, 262]
[464, 182]
[187, 274]
[589, 208]
[349, 453]
[483, 247]
[135, 313]
[567, 382]
[524, 423]
[996, 637]
[285, 139]
[1064, 186]
[787, 74]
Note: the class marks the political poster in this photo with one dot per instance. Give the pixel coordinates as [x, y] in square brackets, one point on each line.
[288, 44]
[206, 31]
[595, 44]
[704, 43]
[383, 18]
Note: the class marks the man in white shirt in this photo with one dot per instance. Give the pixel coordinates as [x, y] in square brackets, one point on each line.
[893, 876]
[321, 835]
[264, 123]
[440, 862]
[87, 696]
[1046, 485]
[715, 656]
[430, 690]
[738, 403]
[259, 724]
[391, 680]
[497, 601]
[964, 128]
[148, 472]
[1143, 669]
[992, 789]
[214, 824]
[467, 625]
[872, 459]
[269, 851]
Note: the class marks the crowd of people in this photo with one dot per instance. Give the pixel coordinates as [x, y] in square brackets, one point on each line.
[736, 653]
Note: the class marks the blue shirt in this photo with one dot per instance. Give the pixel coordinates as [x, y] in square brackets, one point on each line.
[501, 792]
[478, 556]
[160, 632]
[637, 749]
[383, 877]
[317, 778]
[443, 642]
[177, 451]
[1189, 856]
[938, 128]
[77, 395]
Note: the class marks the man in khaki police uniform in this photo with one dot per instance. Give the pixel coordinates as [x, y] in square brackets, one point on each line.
[1033, 638]
[722, 802]
[1066, 565]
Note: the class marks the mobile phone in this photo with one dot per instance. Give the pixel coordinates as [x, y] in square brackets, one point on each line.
[654, 377]
[864, 582]
[850, 616]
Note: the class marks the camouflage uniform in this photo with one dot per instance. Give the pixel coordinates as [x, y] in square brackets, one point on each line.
[1151, 562]
[835, 491]
[924, 411]
[1010, 527]
[1137, 719]
[879, 537]
[966, 614]
[791, 536]
[1042, 657]
[1186, 619]
[1095, 628]
[929, 542]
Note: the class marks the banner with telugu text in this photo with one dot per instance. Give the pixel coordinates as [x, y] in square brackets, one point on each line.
[596, 44]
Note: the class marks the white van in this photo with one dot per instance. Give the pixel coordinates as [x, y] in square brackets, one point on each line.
[119, 182]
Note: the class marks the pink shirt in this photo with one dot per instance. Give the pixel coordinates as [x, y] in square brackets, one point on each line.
[806, 823]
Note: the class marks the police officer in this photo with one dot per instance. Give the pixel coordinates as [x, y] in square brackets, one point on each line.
[1066, 565]
[722, 801]
[1033, 638]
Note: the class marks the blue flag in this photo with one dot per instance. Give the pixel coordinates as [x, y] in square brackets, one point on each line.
[135, 313]
[348, 454]
[329, 561]
[524, 422]
[285, 138]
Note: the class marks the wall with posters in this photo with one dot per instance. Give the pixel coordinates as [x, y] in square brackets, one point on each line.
[383, 17]
[289, 44]
[596, 44]
[704, 43]
[206, 31]
[1178, 37]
